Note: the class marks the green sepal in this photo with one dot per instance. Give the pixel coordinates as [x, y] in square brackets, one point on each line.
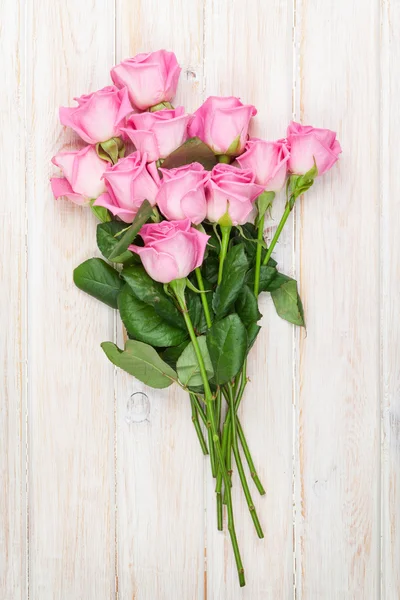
[161, 106]
[111, 150]
[264, 202]
[100, 212]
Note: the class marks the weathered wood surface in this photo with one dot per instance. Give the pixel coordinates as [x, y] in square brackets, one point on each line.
[104, 493]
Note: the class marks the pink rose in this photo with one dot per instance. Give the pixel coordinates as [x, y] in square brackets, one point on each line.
[222, 124]
[128, 183]
[150, 78]
[98, 116]
[307, 143]
[268, 161]
[172, 249]
[83, 171]
[182, 193]
[231, 191]
[158, 133]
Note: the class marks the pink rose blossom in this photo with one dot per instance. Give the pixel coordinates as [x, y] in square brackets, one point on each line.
[98, 116]
[182, 193]
[150, 78]
[268, 161]
[128, 183]
[172, 249]
[231, 191]
[158, 133]
[222, 124]
[83, 171]
[307, 143]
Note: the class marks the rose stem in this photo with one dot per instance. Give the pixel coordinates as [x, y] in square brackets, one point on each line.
[239, 465]
[204, 300]
[225, 231]
[195, 419]
[211, 424]
[208, 321]
[278, 231]
[258, 255]
[242, 438]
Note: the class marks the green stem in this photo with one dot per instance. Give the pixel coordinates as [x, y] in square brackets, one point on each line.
[277, 232]
[249, 459]
[239, 465]
[224, 158]
[204, 300]
[225, 231]
[260, 238]
[195, 419]
[211, 423]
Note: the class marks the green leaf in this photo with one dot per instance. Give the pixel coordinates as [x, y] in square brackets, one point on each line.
[144, 324]
[100, 212]
[267, 275]
[246, 306]
[152, 293]
[210, 268]
[193, 150]
[235, 268]
[188, 367]
[171, 354]
[106, 240]
[250, 243]
[276, 282]
[252, 332]
[288, 303]
[227, 344]
[143, 214]
[100, 280]
[141, 361]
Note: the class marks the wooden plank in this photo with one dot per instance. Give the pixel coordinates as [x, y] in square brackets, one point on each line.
[71, 391]
[160, 465]
[249, 54]
[12, 309]
[390, 303]
[338, 427]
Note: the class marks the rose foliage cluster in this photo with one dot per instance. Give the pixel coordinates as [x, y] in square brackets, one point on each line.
[182, 200]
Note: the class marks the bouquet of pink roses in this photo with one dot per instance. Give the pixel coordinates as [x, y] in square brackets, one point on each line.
[182, 224]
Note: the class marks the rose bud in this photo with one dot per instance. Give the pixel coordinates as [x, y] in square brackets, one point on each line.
[158, 133]
[151, 78]
[128, 184]
[222, 124]
[98, 116]
[83, 171]
[268, 161]
[230, 194]
[307, 143]
[182, 193]
[172, 249]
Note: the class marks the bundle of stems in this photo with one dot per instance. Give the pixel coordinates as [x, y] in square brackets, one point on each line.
[226, 441]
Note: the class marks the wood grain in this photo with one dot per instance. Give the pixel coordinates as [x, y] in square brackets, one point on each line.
[12, 308]
[104, 491]
[390, 301]
[338, 425]
[71, 393]
[160, 500]
[248, 54]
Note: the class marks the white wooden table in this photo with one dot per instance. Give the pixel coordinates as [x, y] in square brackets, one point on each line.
[99, 500]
